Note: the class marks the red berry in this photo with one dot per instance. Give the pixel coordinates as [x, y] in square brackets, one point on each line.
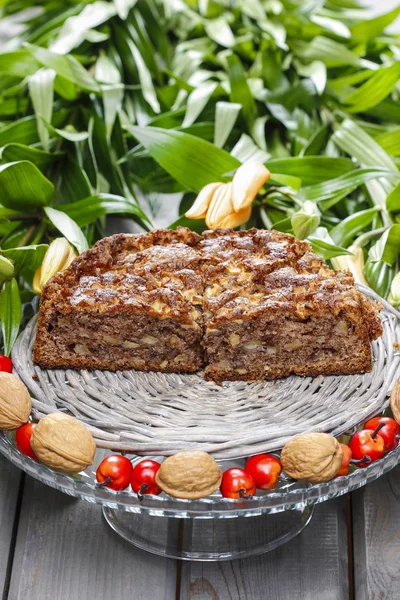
[115, 472]
[23, 439]
[144, 477]
[389, 432]
[237, 483]
[367, 443]
[5, 364]
[265, 470]
[345, 466]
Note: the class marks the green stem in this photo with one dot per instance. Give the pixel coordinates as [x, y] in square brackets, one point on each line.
[39, 233]
[363, 239]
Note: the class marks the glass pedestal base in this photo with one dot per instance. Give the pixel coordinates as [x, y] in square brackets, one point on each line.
[208, 539]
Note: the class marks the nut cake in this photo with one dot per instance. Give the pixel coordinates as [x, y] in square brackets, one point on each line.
[247, 305]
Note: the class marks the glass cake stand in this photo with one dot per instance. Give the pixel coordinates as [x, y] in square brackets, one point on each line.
[162, 414]
[210, 529]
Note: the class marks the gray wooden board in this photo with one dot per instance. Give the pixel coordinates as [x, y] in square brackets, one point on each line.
[65, 551]
[312, 566]
[376, 539]
[10, 478]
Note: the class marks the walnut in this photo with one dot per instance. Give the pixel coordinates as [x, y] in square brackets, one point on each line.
[312, 457]
[63, 443]
[15, 402]
[189, 475]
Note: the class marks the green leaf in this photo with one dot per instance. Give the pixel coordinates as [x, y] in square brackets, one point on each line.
[368, 29]
[390, 141]
[20, 63]
[123, 7]
[331, 53]
[65, 66]
[10, 314]
[41, 87]
[350, 181]
[379, 276]
[75, 28]
[316, 71]
[27, 257]
[197, 101]
[18, 152]
[147, 87]
[219, 31]
[393, 199]
[353, 140]
[376, 89]
[348, 229]
[190, 160]
[387, 248]
[311, 169]
[240, 91]
[226, 114]
[23, 131]
[326, 250]
[24, 187]
[305, 221]
[86, 211]
[245, 150]
[68, 228]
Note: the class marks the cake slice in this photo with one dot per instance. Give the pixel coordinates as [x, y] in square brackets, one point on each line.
[272, 308]
[131, 302]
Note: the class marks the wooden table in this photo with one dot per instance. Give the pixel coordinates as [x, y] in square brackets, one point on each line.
[53, 546]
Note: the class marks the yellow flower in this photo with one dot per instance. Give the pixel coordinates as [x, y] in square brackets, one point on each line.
[228, 205]
[353, 263]
[59, 255]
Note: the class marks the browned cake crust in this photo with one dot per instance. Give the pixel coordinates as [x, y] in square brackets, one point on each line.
[247, 305]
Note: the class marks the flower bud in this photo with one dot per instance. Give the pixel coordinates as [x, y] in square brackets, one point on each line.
[394, 296]
[59, 255]
[353, 263]
[6, 268]
[199, 207]
[247, 182]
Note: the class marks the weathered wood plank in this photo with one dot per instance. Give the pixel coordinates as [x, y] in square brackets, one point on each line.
[10, 478]
[313, 565]
[65, 551]
[376, 539]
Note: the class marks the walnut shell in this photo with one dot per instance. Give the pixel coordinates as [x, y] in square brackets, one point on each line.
[15, 402]
[189, 475]
[63, 443]
[312, 457]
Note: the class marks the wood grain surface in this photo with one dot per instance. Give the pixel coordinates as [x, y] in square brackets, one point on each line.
[376, 539]
[65, 551]
[10, 478]
[311, 567]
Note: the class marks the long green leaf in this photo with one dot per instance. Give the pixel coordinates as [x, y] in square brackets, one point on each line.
[376, 89]
[66, 66]
[311, 169]
[10, 314]
[370, 28]
[390, 141]
[68, 228]
[350, 227]
[20, 63]
[27, 257]
[393, 199]
[190, 160]
[240, 91]
[322, 191]
[18, 152]
[226, 114]
[197, 101]
[24, 187]
[41, 88]
[387, 248]
[90, 209]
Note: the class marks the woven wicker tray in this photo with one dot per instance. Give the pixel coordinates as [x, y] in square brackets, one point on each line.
[161, 414]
